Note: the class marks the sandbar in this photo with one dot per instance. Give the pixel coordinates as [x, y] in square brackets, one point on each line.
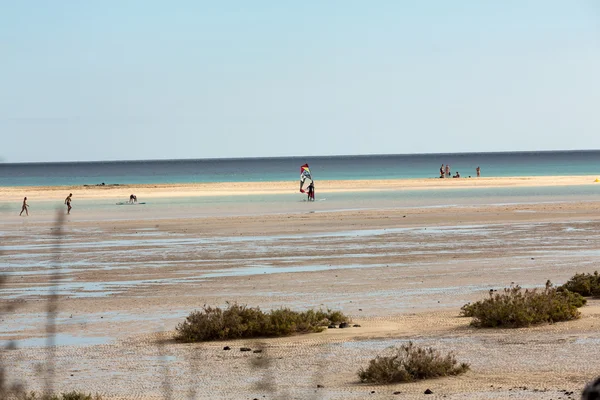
[147, 191]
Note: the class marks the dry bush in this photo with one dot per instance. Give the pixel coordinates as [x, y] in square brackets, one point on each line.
[515, 307]
[63, 396]
[584, 284]
[240, 321]
[410, 363]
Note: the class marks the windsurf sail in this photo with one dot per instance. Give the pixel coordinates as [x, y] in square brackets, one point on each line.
[305, 177]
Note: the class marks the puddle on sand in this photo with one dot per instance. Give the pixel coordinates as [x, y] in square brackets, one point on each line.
[187, 241]
[573, 229]
[61, 339]
[160, 358]
[588, 340]
[79, 289]
[91, 289]
[259, 270]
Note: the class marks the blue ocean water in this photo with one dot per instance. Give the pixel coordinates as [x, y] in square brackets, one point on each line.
[287, 168]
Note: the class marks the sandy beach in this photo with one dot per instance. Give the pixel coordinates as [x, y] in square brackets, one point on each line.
[401, 273]
[365, 172]
[249, 188]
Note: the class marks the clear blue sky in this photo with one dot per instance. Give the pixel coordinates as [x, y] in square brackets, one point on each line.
[108, 80]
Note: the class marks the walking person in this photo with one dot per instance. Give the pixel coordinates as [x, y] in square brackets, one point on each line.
[25, 207]
[478, 170]
[68, 203]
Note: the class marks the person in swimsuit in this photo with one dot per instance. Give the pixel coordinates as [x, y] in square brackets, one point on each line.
[133, 198]
[478, 170]
[442, 171]
[68, 203]
[25, 207]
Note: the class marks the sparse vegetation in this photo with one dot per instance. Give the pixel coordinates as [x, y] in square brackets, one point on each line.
[584, 284]
[75, 396]
[20, 395]
[240, 321]
[409, 363]
[515, 307]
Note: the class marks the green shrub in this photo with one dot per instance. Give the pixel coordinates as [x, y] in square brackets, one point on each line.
[515, 307]
[584, 284]
[409, 363]
[240, 321]
[334, 317]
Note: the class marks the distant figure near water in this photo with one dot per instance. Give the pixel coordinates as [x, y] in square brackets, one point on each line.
[68, 203]
[25, 207]
[311, 191]
[457, 175]
[133, 198]
[448, 171]
[442, 171]
[478, 170]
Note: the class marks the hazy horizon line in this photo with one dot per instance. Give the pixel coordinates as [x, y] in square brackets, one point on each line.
[300, 156]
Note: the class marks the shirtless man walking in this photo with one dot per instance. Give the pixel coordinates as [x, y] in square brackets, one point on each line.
[25, 207]
[68, 203]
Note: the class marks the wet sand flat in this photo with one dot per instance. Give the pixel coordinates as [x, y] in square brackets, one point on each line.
[402, 274]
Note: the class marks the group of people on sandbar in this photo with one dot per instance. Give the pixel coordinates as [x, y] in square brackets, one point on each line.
[25, 206]
[446, 173]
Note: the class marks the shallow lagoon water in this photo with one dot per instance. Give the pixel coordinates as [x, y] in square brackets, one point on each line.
[60, 339]
[218, 257]
[213, 258]
[199, 206]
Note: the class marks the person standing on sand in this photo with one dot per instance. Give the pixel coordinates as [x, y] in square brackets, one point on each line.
[68, 203]
[442, 171]
[311, 191]
[478, 170]
[448, 170]
[25, 207]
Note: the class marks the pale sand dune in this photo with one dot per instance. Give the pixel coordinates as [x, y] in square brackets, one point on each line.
[248, 188]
